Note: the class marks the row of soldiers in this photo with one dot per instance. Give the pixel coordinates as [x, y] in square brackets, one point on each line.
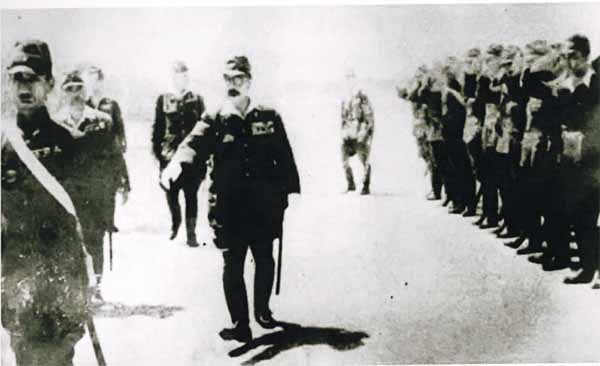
[518, 129]
[60, 176]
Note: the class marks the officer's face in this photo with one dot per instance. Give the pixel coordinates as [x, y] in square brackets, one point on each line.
[30, 90]
[237, 86]
[75, 95]
[93, 84]
[577, 63]
[180, 80]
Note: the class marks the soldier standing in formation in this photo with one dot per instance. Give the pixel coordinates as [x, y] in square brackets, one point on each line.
[176, 115]
[44, 280]
[254, 172]
[357, 133]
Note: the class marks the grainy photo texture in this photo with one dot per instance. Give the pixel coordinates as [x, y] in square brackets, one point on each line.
[333, 185]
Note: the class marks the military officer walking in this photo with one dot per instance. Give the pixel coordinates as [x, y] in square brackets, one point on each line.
[44, 280]
[357, 133]
[93, 78]
[93, 152]
[176, 115]
[254, 172]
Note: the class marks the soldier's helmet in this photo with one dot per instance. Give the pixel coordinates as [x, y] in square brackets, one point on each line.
[31, 56]
[238, 66]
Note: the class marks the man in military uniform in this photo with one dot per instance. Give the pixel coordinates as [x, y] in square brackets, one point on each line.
[176, 115]
[357, 133]
[44, 281]
[253, 173]
[91, 185]
[93, 78]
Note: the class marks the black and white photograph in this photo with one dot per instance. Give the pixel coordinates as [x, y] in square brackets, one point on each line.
[300, 184]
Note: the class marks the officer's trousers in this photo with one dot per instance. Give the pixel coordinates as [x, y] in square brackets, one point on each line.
[233, 277]
[441, 161]
[94, 243]
[189, 182]
[490, 184]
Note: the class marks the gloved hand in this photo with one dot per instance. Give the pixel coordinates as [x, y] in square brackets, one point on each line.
[169, 175]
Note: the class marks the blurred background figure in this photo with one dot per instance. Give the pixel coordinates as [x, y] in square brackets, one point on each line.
[358, 124]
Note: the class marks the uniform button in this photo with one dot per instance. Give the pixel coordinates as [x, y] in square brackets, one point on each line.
[247, 174]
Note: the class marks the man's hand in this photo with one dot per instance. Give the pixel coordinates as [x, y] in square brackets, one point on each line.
[170, 175]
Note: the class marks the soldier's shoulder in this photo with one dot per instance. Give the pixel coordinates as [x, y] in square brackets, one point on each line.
[97, 114]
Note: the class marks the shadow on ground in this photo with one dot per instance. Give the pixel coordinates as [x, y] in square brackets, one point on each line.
[295, 335]
[119, 310]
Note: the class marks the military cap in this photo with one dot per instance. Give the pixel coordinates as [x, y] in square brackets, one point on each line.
[474, 52]
[538, 47]
[495, 49]
[179, 67]
[579, 42]
[31, 56]
[73, 79]
[236, 66]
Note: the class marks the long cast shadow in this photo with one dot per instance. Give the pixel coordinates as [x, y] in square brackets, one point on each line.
[295, 335]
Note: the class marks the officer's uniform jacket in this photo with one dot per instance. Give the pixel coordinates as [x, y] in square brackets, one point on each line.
[92, 183]
[358, 120]
[253, 170]
[42, 256]
[174, 119]
[120, 171]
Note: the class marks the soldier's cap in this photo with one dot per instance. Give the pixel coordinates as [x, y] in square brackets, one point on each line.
[538, 47]
[579, 42]
[474, 52]
[94, 70]
[72, 79]
[495, 49]
[237, 66]
[179, 67]
[31, 56]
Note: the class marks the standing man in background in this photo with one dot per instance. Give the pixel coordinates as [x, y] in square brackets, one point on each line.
[358, 124]
[93, 78]
[176, 114]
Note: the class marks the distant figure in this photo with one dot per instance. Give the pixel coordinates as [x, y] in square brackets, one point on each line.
[93, 78]
[176, 114]
[357, 133]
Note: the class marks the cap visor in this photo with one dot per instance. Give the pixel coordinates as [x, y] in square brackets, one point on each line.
[77, 83]
[232, 73]
[21, 69]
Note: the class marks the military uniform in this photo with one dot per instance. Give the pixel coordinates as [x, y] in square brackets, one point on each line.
[44, 278]
[120, 174]
[357, 134]
[92, 182]
[253, 173]
[174, 119]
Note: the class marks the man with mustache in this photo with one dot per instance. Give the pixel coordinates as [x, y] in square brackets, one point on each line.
[44, 281]
[93, 163]
[176, 114]
[253, 173]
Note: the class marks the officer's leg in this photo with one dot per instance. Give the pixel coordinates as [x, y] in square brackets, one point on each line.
[262, 251]
[363, 154]
[233, 282]
[94, 242]
[190, 190]
[347, 152]
[174, 207]
[436, 182]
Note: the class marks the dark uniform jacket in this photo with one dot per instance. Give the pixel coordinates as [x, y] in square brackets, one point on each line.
[43, 268]
[253, 170]
[174, 119]
[92, 184]
[112, 108]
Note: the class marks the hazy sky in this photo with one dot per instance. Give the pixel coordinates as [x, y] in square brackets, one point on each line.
[290, 43]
